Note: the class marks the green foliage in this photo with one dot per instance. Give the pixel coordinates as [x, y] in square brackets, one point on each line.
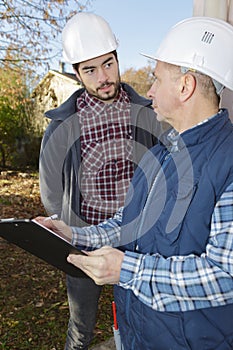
[17, 135]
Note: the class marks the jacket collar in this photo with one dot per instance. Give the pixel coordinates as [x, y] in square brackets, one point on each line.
[175, 142]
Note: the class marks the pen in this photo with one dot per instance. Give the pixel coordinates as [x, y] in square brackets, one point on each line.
[52, 217]
[114, 315]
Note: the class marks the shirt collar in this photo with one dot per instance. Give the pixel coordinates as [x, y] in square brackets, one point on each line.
[175, 140]
[87, 100]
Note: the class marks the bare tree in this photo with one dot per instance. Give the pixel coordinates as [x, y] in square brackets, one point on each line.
[30, 30]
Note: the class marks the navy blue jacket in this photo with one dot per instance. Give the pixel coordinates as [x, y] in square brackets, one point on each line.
[194, 179]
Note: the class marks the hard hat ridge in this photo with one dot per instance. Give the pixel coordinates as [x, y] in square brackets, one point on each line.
[203, 44]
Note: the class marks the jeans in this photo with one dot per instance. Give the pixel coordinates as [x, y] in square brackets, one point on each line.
[83, 297]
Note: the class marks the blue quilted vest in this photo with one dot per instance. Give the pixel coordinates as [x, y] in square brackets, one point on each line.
[178, 204]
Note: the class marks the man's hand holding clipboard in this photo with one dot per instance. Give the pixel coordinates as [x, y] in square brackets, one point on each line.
[44, 237]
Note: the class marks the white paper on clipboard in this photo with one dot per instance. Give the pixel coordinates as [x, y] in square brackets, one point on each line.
[41, 242]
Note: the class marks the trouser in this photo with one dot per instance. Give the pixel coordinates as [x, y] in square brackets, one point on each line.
[83, 296]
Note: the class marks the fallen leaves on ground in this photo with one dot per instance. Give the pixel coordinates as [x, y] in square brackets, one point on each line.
[33, 301]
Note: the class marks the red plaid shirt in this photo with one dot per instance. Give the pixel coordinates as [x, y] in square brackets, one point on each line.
[106, 153]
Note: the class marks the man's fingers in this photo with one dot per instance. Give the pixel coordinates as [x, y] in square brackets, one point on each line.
[102, 265]
[87, 264]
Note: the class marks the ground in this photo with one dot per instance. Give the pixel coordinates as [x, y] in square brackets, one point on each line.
[33, 302]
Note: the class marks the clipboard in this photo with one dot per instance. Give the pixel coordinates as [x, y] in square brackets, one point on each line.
[41, 242]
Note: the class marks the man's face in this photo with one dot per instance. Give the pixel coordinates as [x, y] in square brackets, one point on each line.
[164, 94]
[100, 76]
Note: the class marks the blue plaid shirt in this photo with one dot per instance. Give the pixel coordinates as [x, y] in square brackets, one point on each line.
[173, 284]
[176, 283]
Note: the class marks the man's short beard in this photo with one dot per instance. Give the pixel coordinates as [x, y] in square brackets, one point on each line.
[107, 97]
[115, 93]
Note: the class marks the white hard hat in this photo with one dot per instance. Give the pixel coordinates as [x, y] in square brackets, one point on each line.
[87, 36]
[200, 43]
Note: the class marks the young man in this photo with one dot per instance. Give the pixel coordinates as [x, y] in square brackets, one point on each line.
[174, 273]
[90, 149]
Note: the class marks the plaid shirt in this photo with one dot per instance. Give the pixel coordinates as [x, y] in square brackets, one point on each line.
[178, 283]
[106, 154]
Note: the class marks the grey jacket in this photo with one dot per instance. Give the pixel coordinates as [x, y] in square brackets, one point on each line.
[60, 156]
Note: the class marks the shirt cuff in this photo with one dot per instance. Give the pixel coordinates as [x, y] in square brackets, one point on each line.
[130, 268]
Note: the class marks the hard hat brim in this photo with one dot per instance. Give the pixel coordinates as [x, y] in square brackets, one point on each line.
[149, 56]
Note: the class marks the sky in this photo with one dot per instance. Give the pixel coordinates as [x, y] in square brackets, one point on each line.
[140, 25]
